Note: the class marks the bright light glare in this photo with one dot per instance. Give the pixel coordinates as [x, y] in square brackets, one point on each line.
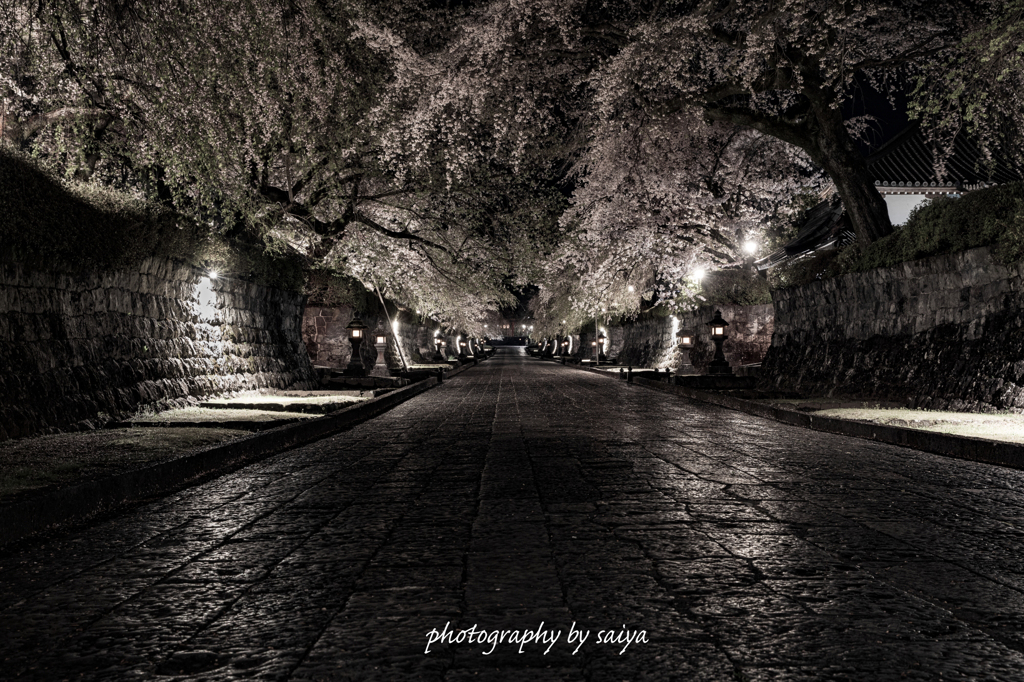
[213, 274]
[698, 274]
[631, 288]
[750, 246]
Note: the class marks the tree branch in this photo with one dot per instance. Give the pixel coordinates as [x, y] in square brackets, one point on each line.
[393, 234]
[788, 131]
[36, 123]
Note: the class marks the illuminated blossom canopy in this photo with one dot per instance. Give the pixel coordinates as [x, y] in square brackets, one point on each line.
[445, 152]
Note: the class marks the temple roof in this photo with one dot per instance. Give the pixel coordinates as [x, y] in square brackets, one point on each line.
[907, 162]
[824, 225]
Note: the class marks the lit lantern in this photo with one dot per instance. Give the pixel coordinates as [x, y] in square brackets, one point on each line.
[381, 366]
[685, 339]
[719, 365]
[356, 332]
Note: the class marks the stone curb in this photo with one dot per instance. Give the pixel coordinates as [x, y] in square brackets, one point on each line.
[959, 447]
[79, 502]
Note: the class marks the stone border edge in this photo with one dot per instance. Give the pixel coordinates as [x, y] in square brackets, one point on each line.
[21, 520]
[999, 453]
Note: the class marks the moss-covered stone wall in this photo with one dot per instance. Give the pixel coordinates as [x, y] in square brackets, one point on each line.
[945, 332]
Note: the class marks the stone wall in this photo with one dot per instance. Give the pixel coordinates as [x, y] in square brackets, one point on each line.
[650, 342]
[326, 339]
[75, 353]
[943, 333]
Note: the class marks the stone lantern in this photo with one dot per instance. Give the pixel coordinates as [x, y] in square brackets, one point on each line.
[356, 333]
[598, 347]
[684, 341]
[440, 346]
[380, 369]
[462, 349]
[719, 365]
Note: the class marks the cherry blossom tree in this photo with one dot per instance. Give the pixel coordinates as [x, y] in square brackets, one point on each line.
[266, 116]
[785, 69]
[661, 199]
[442, 152]
[688, 125]
[977, 87]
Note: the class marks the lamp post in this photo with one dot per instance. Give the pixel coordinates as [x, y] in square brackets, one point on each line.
[598, 347]
[719, 365]
[356, 332]
[684, 341]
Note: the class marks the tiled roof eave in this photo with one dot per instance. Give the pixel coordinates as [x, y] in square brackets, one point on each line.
[946, 189]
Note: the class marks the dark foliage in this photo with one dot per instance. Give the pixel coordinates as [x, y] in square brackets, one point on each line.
[78, 228]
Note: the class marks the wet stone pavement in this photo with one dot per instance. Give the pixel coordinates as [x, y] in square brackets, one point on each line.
[526, 496]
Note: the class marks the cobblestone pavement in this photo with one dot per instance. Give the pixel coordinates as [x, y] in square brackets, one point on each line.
[526, 496]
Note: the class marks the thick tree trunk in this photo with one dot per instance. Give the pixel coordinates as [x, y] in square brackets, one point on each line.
[837, 154]
[823, 136]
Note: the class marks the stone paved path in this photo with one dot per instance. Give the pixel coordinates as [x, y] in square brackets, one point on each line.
[523, 493]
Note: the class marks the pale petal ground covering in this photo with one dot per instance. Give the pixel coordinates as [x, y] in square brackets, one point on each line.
[1008, 427]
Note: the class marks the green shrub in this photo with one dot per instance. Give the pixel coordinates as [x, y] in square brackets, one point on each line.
[330, 289]
[735, 286]
[987, 217]
[49, 224]
[817, 266]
